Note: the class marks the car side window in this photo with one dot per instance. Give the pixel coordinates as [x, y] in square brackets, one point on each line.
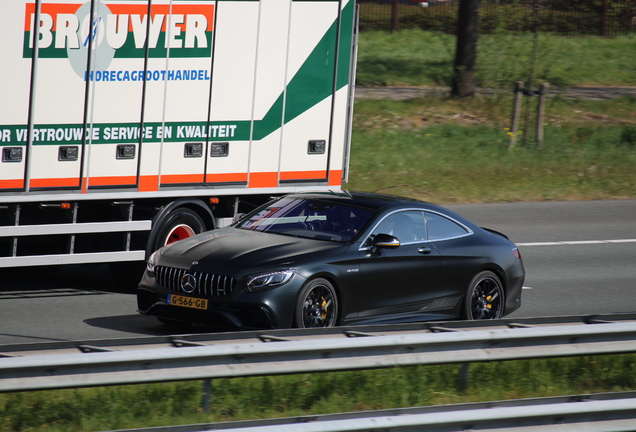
[439, 227]
[408, 226]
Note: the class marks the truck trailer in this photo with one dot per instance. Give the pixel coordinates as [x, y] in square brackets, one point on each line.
[126, 125]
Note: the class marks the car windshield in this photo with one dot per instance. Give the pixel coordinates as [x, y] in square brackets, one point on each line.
[309, 218]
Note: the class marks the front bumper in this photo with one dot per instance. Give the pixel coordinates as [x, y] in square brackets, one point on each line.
[269, 309]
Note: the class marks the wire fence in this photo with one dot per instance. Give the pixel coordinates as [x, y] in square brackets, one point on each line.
[567, 18]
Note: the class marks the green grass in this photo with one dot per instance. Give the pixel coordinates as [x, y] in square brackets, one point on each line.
[267, 397]
[419, 58]
[450, 151]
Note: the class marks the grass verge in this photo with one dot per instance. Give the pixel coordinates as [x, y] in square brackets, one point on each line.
[420, 58]
[457, 151]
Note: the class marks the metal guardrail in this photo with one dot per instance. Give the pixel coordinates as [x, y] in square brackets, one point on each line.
[58, 371]
[593, 412]
[59, 365]
[194, 339]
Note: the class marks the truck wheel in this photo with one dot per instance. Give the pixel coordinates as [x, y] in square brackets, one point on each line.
[180, 224]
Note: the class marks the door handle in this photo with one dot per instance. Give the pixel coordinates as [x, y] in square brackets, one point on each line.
[424, 250]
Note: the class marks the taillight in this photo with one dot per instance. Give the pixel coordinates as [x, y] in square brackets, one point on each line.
[516, 253]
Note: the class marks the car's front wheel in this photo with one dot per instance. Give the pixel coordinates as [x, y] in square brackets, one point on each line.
[484, 298]
[317, 305]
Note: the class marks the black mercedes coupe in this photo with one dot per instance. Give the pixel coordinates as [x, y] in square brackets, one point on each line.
[335, 258]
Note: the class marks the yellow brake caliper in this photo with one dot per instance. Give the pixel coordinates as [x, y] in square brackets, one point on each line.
[489, 305]
[323, 305]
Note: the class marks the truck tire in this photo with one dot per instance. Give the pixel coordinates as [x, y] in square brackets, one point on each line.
[181, 223]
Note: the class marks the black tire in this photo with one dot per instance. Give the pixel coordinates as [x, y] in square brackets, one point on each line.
[181, 223]
[484, 298]
[317, 305]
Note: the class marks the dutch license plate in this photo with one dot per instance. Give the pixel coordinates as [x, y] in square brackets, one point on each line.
[190, 302]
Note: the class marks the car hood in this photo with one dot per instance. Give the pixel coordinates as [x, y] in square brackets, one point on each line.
[240, 248]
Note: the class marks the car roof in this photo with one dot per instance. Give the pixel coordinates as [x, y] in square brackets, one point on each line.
[374, 201]
[368, 200]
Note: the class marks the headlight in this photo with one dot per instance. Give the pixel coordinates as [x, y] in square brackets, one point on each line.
[150, 265]
[270, 280]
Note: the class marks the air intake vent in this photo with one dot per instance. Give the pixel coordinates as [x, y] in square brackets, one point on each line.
[206, 284]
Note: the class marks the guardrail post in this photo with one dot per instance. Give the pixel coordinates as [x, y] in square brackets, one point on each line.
[463, 377]
[206, 399]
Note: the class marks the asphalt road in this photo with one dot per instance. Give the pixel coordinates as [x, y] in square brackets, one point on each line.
[572, 268]
[580, 258]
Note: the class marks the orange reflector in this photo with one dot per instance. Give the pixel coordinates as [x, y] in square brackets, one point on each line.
[66, 206]
[214, 200]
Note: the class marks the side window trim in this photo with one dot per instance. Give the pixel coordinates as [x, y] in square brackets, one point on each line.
[469, 232]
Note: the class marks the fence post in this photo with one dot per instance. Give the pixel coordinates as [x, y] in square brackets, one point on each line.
[394, 14]
[543, 88]
[516, 112]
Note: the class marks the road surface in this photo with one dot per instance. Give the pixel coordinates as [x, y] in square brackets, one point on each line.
[580, 258]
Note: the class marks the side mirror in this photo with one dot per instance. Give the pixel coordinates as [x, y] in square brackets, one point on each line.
[386, 241]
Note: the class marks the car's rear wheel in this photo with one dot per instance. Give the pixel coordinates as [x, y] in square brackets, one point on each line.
[484, 298]
[317, 305]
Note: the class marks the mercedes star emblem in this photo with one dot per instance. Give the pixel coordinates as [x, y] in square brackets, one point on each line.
[188, 283]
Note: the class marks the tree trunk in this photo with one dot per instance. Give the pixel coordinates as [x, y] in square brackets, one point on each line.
[604, 10]
[466, 53]
[394, 15]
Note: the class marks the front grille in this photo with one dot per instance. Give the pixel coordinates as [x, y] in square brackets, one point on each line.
[207, 284]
